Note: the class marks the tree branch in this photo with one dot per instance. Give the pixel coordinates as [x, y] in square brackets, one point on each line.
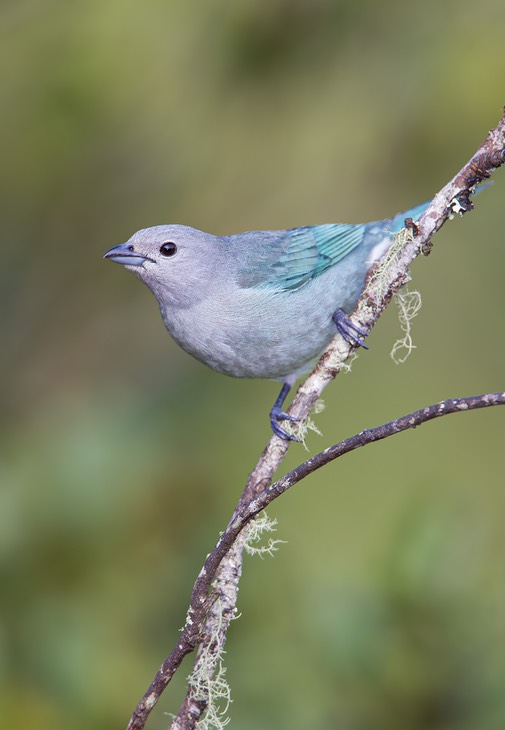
[370, 435]
[213, 600]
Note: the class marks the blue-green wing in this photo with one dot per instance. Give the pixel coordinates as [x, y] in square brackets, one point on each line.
[289, 259]
[314, 249]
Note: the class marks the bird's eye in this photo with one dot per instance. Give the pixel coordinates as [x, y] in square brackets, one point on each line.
[168, 249]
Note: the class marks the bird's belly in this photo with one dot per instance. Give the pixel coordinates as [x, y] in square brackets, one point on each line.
[253, 342]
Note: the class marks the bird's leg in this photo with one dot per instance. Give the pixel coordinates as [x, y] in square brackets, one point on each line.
[351, 333]
[277, 414]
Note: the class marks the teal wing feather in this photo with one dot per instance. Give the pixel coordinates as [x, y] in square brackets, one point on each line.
[289, 259]
[314, 249]
[299, 254]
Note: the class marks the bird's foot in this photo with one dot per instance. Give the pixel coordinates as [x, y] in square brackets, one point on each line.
[351, 333]
[276, 415]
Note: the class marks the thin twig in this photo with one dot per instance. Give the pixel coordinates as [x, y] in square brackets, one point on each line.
[200, 628]
[370, 435]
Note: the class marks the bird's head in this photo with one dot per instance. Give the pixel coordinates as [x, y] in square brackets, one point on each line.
[176, 262]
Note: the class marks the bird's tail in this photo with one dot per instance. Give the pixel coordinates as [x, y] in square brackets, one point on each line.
[398, 221]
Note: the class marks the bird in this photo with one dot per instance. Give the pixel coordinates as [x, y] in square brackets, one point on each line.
[260, 304]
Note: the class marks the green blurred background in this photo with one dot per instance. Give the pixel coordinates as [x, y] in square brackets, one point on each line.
[121, 457]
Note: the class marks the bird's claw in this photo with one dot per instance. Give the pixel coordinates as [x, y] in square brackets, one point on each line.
[276, 415]
[351, 333]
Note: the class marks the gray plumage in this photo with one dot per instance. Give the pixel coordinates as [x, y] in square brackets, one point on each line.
[259, 304]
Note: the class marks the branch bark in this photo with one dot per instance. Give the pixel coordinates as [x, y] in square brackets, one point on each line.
[213, 600]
